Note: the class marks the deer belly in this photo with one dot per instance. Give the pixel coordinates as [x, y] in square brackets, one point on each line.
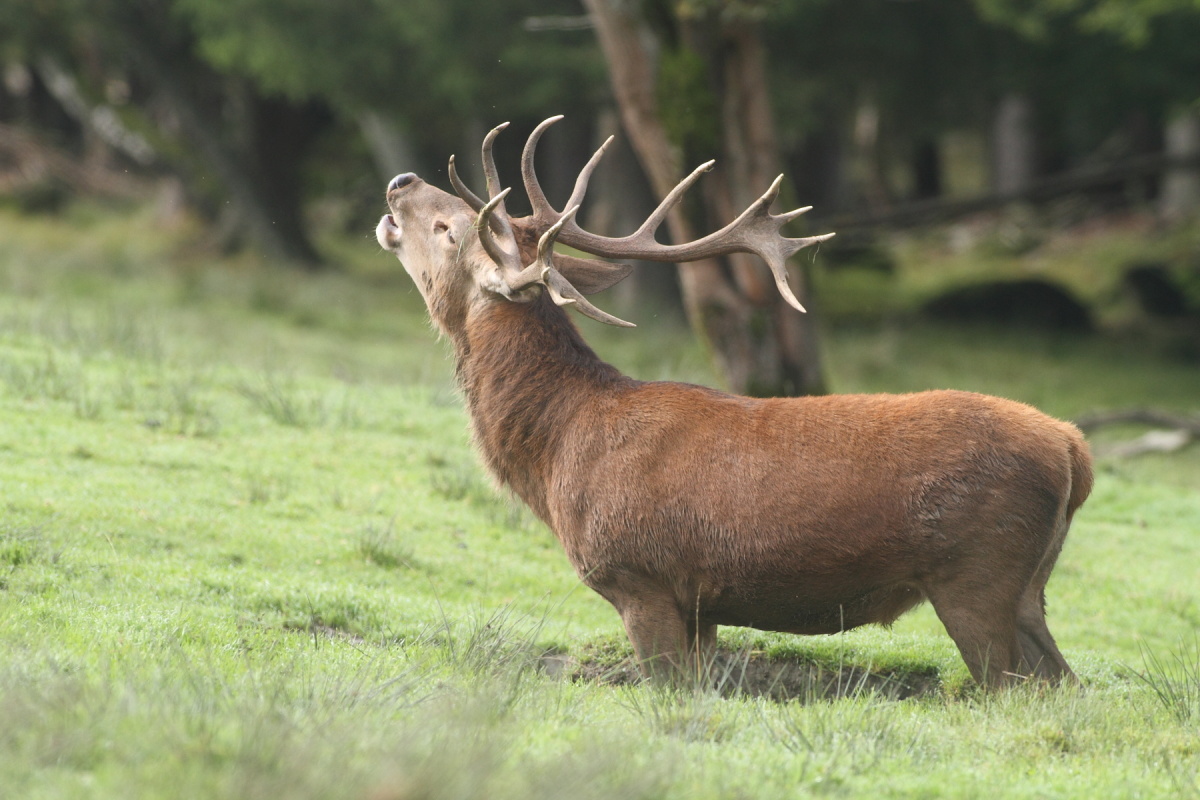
[796, 612]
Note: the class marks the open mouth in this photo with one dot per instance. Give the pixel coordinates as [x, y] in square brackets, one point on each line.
[387, 232]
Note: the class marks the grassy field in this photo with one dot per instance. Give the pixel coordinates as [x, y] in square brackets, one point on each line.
[246, 551]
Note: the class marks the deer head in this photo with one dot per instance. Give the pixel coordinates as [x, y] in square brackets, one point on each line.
[464, 250]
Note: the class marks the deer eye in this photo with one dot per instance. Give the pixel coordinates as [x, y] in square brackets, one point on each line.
[440, 226]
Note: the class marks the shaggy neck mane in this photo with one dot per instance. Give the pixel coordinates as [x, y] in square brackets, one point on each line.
[526, 373]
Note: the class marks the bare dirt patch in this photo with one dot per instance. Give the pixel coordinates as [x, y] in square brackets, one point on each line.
[759, 675]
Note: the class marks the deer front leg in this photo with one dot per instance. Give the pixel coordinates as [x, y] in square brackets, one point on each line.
[659, 634]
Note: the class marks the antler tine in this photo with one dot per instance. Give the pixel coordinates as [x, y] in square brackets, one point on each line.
[499, 220]
[508, 262]
[491, 174]
[791, 215]
[562, 292]
[460, 188]
[763, 203]
[585, 175]
[545, 248]
[672, 199]
[489, 165]
[489, 161]
[800, 244]
[542, 210]
[779, 272]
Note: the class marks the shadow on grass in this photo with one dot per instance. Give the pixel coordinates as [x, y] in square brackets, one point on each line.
[755, 674]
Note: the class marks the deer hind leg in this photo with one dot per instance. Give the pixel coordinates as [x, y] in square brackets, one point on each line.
[984, 627]
[1039, 652]
[1040, 656]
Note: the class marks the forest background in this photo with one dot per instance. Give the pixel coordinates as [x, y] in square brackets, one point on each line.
[276, 122]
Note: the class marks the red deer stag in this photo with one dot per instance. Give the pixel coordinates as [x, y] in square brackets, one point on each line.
[687, 508]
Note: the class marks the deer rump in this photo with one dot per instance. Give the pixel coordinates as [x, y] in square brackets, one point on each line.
[687, 508]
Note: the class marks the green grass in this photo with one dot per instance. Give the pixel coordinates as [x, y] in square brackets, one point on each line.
[246, 551]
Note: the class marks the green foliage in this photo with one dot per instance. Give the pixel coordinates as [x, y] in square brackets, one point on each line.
[1132, 20]
[689, 108]
[941, 65]
[432, 64]
[299, 48]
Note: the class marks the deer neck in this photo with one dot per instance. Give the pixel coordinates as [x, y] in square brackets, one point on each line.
[527, 375]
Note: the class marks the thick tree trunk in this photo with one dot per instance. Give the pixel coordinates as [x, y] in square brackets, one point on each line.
[281, 134]
[791, 363]
[760, 344]
[270, 217]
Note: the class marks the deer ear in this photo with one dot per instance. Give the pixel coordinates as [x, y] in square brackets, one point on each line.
[590, 275]
[457, 228]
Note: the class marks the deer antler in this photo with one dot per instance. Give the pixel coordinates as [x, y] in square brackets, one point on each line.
[756, 230]
[562, 292]
[513, 277]
[493, 220]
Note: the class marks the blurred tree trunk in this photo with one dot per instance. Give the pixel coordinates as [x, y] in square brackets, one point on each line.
[388, 144]
[761, 345]
[1013, 145]
[819, 167]
[619, 200]
[927, 170]
[1180, 197]
[870, 173]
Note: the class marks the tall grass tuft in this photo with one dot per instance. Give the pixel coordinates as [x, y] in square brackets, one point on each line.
[378, 545]
[189, 411]
[284, 402]
[459, 480]
[20, 545]
[1175, 679]
[44, 378]
[288, 404]
[502, 643]
[691, 714]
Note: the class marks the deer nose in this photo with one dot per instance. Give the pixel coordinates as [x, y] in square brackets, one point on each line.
[400, 181]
